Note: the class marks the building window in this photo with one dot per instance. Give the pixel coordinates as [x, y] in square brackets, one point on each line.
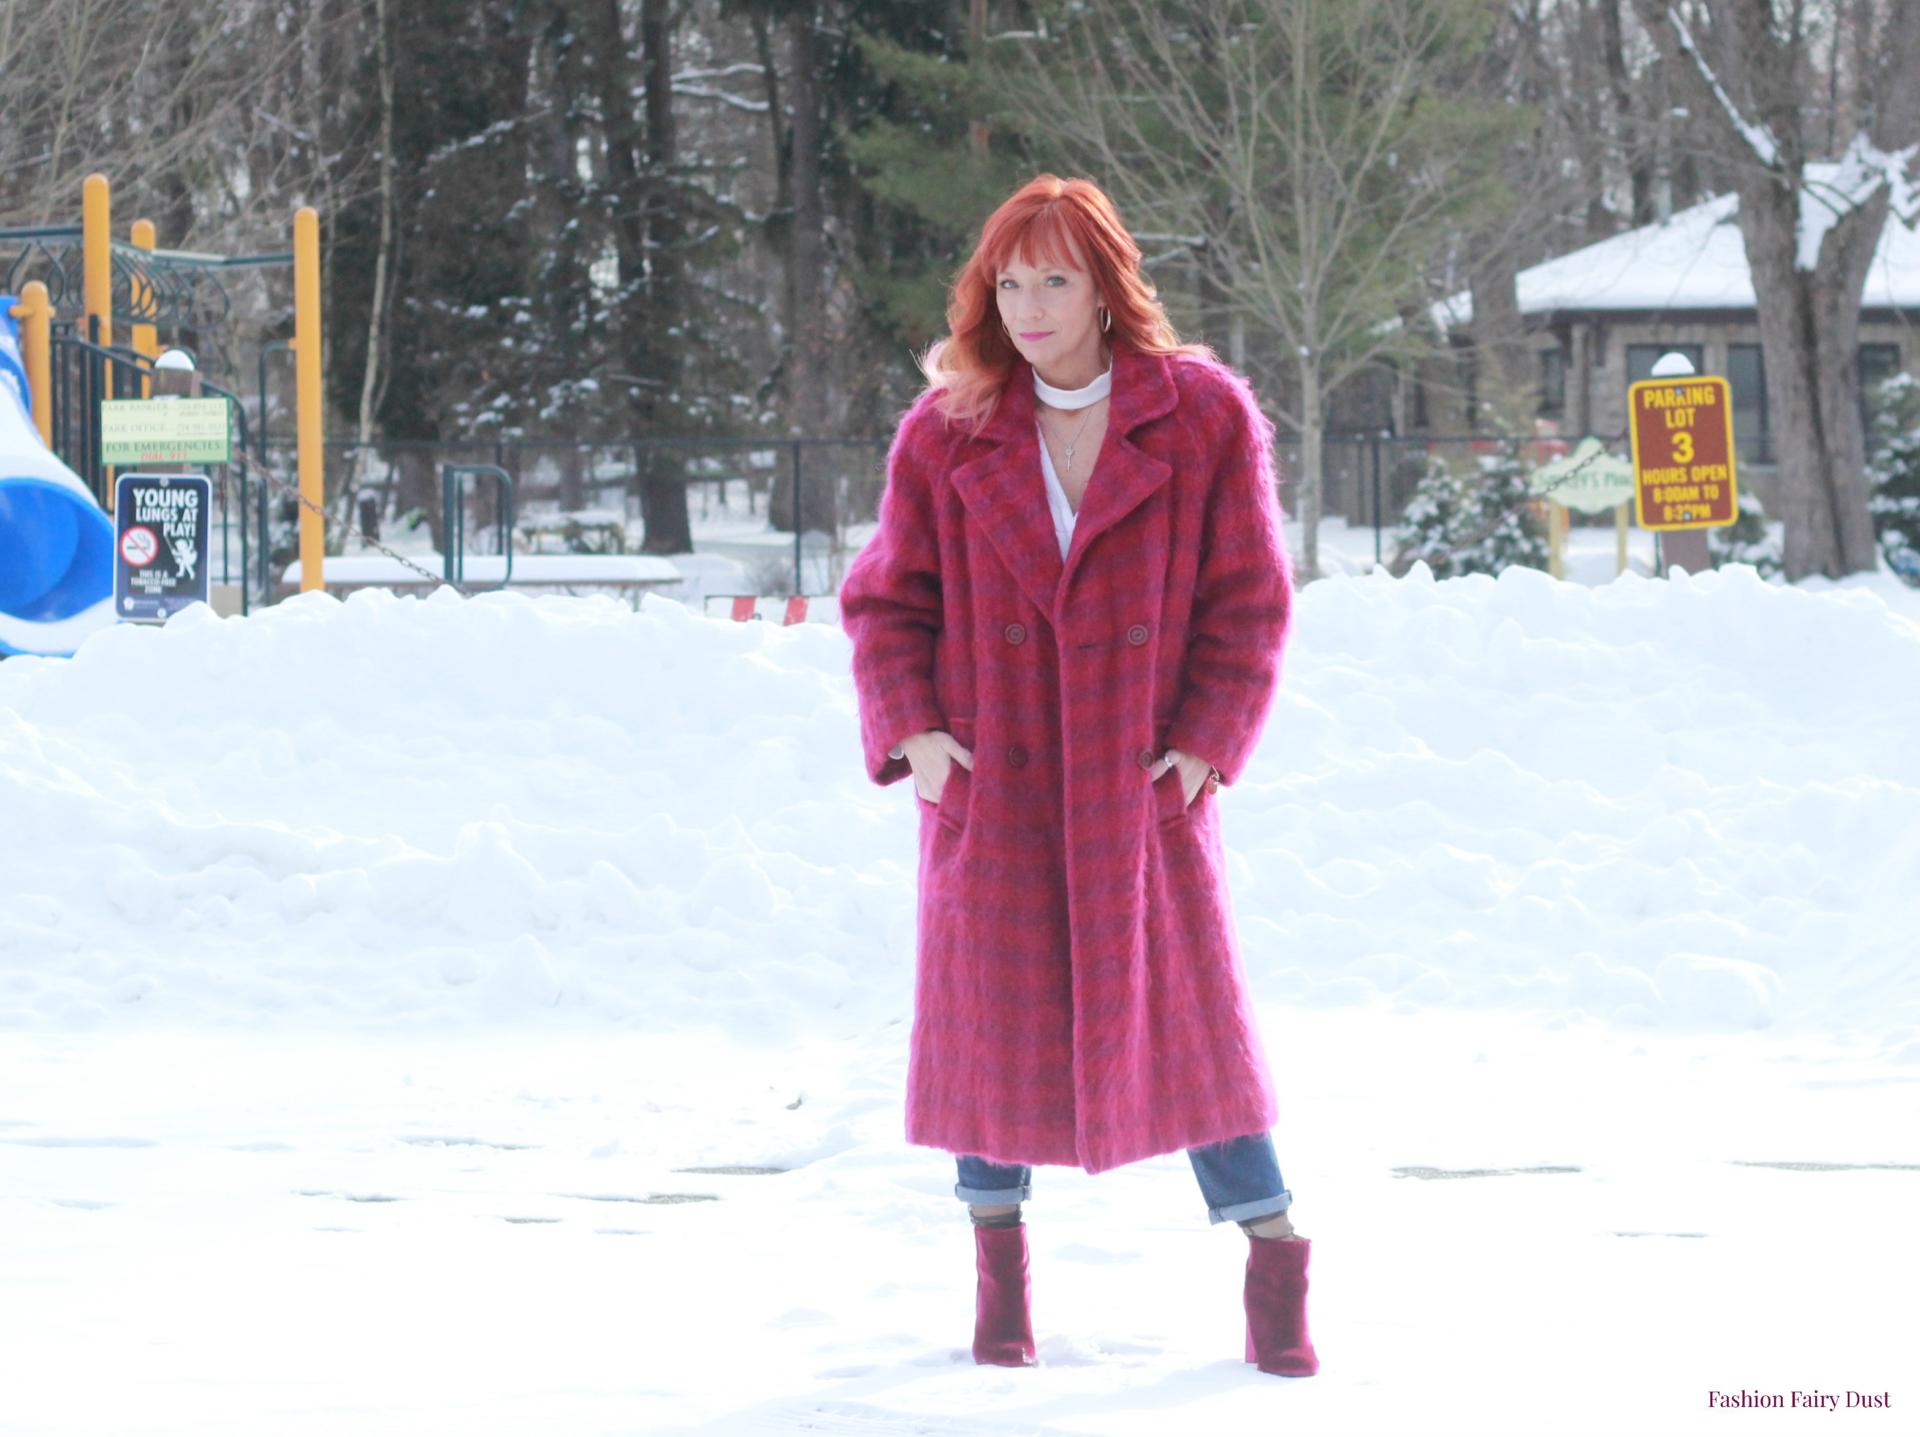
[1642, 357]
[1876, 362]
[1553, 381]
[1747, 377]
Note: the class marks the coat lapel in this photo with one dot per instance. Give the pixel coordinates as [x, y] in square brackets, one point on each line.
[1005, 491]
[1124, 474]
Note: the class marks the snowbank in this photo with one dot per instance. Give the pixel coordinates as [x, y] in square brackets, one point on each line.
[1689, 806]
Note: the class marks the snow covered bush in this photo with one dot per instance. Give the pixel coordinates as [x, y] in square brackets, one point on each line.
[1478, 522]
[1746, 540]
[1431, 520]
[1893, 473]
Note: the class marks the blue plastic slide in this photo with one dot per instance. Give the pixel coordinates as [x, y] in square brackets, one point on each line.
[56, 543]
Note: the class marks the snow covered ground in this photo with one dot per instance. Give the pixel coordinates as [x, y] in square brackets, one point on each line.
[474, 1016]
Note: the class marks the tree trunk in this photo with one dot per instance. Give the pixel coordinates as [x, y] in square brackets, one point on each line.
[978, 130]
[808, 324]
[1308, 494]
[1620, 90]
[372, 379]
[175, 184]
[779, 225]
[659, 354]
[1809, 319]
[1809, 332]
[1501, 351]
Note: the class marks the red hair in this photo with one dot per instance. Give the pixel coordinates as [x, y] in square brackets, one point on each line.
[1046, 220]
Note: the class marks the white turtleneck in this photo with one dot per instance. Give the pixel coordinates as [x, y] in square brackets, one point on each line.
[1062, 511]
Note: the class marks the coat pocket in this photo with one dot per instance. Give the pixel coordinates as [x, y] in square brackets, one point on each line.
[1170, 799]
[952, 807]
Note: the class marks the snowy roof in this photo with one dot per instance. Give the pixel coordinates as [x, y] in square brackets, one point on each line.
[1696, 260]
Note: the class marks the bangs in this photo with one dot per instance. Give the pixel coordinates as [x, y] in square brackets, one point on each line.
[1045, 239]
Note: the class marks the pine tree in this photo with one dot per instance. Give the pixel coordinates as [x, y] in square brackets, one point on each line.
[1503, 527]
[1472, 523]
[935, 154]
[1893, 474]
[1431, 521]
[1746, 540]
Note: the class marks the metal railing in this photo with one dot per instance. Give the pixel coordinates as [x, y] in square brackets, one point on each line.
[816, 493]
[452, 477]
[834, 484]
[82, 374]
[782, 507]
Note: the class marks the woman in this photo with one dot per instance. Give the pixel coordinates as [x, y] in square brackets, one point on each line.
[1068, 630]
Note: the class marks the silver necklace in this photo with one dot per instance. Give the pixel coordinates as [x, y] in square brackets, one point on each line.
[1083, 398]
[1068, 468]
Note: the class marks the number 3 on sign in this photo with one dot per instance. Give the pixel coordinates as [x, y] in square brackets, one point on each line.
[1683, 448]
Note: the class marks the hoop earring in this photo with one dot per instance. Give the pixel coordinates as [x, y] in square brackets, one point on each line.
[1106, 319]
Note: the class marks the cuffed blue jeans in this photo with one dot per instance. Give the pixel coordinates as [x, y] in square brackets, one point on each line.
[1239, 1178]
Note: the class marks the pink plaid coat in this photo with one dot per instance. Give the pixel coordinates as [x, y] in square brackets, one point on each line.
[1080, 998]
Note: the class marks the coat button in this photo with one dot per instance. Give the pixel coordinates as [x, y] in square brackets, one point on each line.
[1016, 633]
[1146, 758]
[1016, 757]
[1137, 635]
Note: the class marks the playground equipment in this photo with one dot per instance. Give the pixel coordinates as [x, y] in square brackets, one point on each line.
[56, 543]
[60, 362]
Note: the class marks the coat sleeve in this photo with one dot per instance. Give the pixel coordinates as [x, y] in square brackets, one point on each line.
[1243, 600]
[890, 605]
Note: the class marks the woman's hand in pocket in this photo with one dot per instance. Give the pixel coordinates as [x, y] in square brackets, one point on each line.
[1195, 773]
[932, 756]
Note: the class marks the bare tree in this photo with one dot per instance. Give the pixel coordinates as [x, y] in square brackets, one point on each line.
[1313, 155]
[1754, 70]
[180, 105]
[373, 378]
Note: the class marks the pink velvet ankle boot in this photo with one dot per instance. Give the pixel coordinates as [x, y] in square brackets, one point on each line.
[1002, 1324]
[1276, 1300]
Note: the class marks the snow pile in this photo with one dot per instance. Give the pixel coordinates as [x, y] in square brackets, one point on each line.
[1685, 805]
[405, 994]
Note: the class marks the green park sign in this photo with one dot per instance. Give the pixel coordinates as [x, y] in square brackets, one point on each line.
[164, 431]
[1589, 479]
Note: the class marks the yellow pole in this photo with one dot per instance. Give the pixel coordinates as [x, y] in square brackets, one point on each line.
[35, 313]
[96, 230]
[146, 337]
[96, 291]
[1620, 537]
[307, 395]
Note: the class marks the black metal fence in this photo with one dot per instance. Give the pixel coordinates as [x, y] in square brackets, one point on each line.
[81, 375]
[790, 512]
[1367, 480]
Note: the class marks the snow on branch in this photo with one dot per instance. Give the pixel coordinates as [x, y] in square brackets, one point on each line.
[745, 67]
[478, 138]
[1758, 137]
[1836, 190]
[738, 102]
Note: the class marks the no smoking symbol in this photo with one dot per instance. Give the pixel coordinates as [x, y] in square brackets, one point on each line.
[139, 547]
